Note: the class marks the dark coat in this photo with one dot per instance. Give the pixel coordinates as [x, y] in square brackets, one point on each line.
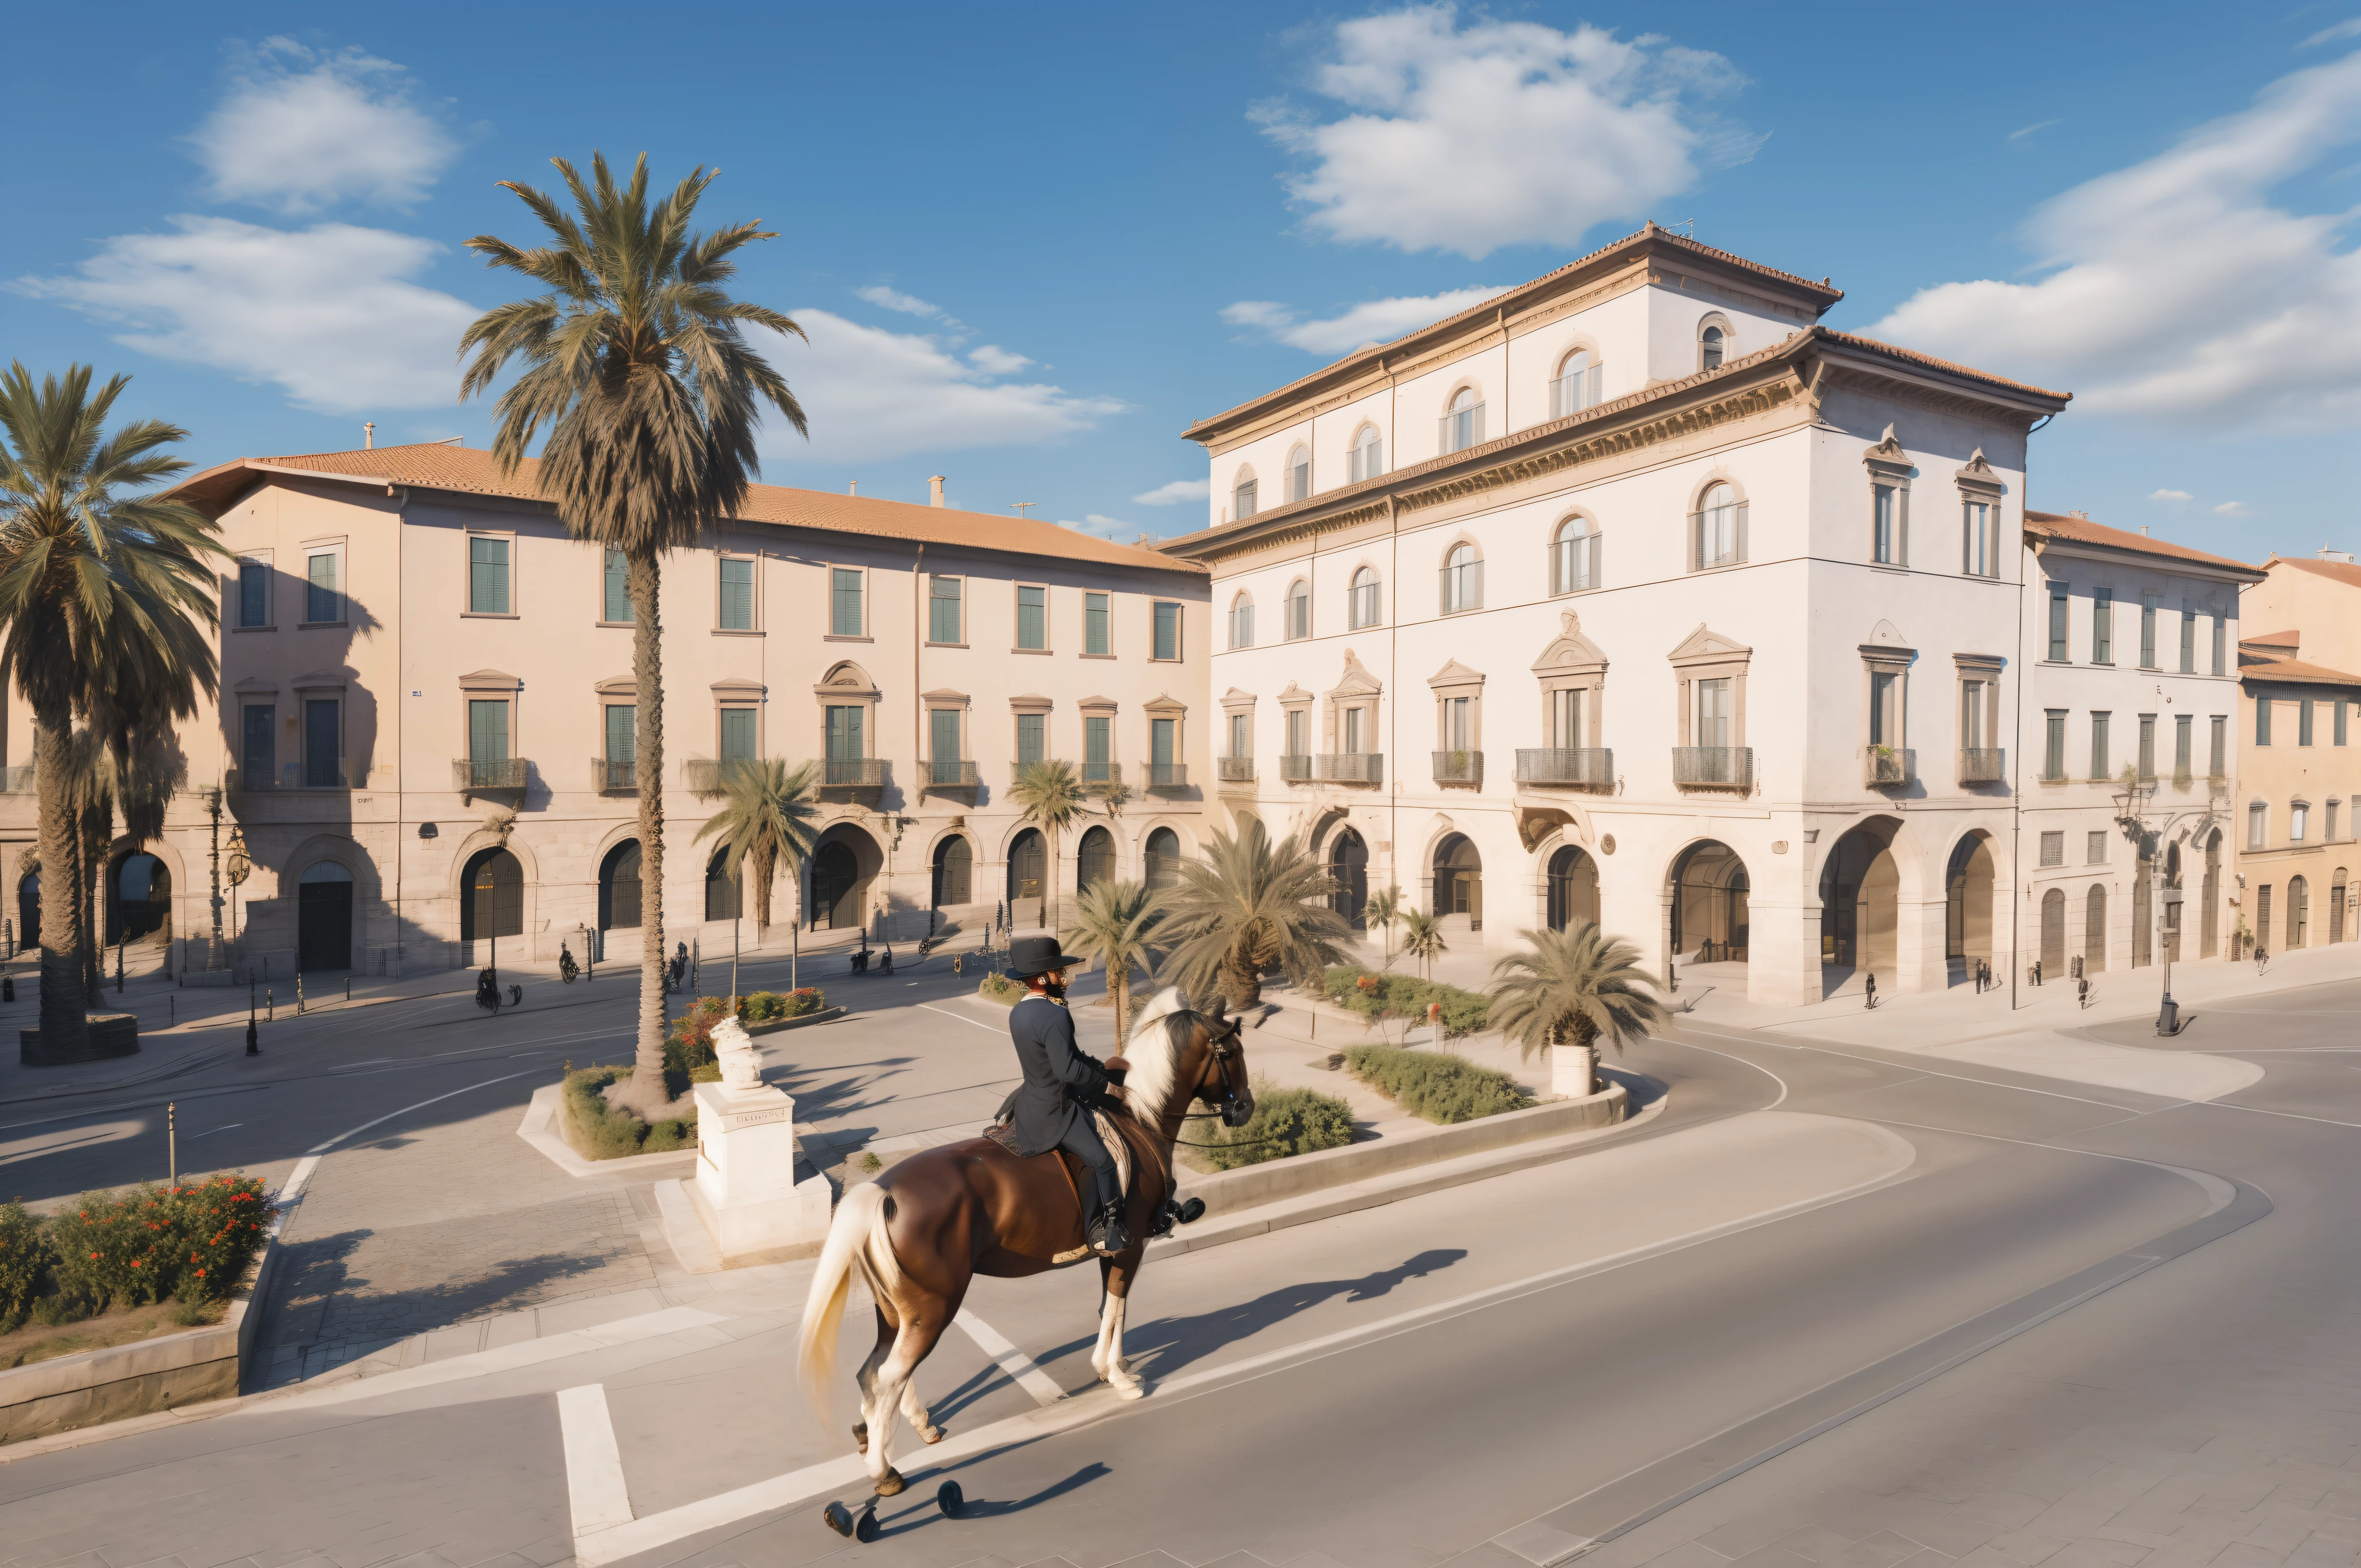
[1059, 1080]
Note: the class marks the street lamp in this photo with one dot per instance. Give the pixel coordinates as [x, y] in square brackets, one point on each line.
[2168, 1017]
[235, 869]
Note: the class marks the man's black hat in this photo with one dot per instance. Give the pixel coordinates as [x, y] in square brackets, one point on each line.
[1029, 956]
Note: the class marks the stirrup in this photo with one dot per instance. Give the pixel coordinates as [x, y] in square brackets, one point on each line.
[1107, 1234]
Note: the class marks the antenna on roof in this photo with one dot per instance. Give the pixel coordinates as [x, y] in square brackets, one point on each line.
[1018, 508]
[1688, 223]
[368, 435]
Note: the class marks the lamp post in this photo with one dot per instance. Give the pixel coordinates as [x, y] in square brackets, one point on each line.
[2167, 1015]
[239, 866]
[213, 809]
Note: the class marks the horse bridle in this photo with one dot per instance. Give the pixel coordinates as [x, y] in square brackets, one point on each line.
[1224, 1049]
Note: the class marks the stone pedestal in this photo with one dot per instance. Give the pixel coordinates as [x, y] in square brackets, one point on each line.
[745, 1190]
[1571, 1070]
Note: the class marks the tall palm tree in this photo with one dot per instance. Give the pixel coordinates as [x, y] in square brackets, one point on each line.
[637, 361]
[767, 811]
[1050, 795]
[1248, 906]
[1384, 908]
[109, 602]
[1116, 922]
[136, 776]
[1423, 939]
[1574, 988]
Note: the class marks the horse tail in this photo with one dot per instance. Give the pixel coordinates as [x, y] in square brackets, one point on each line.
[855, 1238]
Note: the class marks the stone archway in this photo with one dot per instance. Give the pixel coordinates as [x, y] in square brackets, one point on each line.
[954, 873]
[1861, 903]
[1348, 866]
[1459, 883]
[140, 898]
[2209, 928]
[1028, 877]
[491, 896]
[2052, 955]
[323, 917]
[1573, 889]
[844, 867]
[1967, 886]
[1163, 859]
[619, 888]
[2095, 929]
[1712, 903]
[1093, 860]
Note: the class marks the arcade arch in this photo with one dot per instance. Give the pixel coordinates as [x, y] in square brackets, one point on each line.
[619, 888]
[1967, 884]
[1459, 882]
[491, 895]
[1348, 866]
[1573, 888]
[954, 868]
[1861, 888]
[844, 866]
[1712, 902]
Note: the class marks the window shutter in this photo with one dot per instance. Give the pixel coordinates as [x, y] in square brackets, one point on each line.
[618, 588]
[622, 732]
[1901, 526]
[1738, 540]
[1476, 586]
[1595, 569]
[1590, 392]
[1696, 540]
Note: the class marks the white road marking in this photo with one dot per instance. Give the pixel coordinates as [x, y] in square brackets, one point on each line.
[1012, 1361]
[209, 1132]
[970, 1022]
[593, 1464]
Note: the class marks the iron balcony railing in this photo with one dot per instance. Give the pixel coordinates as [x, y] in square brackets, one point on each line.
[1459, 767]
[1713, 767]
[610, 777]
[1983, 765]
[1583, 767]
[701, 776]
[1103, 772]
[1167, 776]
[488, 773]
[1349, 767]
[853, 773]
[950, 772]
[317, 773]
[1237, 770]
[1882, 767]
[1294, 767]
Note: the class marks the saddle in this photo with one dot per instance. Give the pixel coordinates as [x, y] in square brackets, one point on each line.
[1112, 1131]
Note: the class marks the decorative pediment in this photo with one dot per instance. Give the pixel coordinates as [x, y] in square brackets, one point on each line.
[1237, 701]
[737, 685]
[255, 686]
[1453, 673]
[1357, 681]
[1097, 705]
[1031, 702]
[1980, 474]
[618, 686]
[1294, 694]
[1887, 460]
[1165, 704]
[1571, 652]
[942, 695]
[490, 680]
[1886, 645]
[847, 680]
[1707, 646]
[319, 680]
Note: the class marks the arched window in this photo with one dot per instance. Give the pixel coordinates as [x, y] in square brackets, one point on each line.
[1242, 622]
[1364, 605]
[1298, 473]
[1299, 609]
[323, 917]
[1463, 580]
[1163, 859]
[2299, 914]
[1242, 496]
[1574, 556]
[619, 888]
[723, 895]
[491, 901]
[1368, 454]
[1094, 860]
[954, 873]
[1575, 387]
[1711, 343]
[1463, 424]
[1717, 528]
[1573, 889]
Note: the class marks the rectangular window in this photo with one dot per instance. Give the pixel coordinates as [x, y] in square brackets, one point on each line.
[2053, 849]
[1299, 479]
[1972, 716]
[487, 730]
[1168, 629]
[1884, 692]
[738, 725]
[1245, 498]
[1098, 737]
[1032, 736]
[615, 585]
[2102, 627]
[1163, 741]
[1241, 735]
[943, 610]
[622, 733]
[844, 601]
[943, 735]
[2336, 718]
[736, 594]
[1353, 731]
[2298, 822]
[1033, 618]
[2058, 625]
[254, 593]
[2217, 753]
[322, 601]
[2184, 744]
[1886, 525]
[1298, 612]
[487, 576]
[2053, 756]
[2095, 848]
[2147, 745]
[1565, 719]
[1458, 723]
[2303, 721]
[1299, 732]
[1713, 712]
[259, 752]
[1978, 558]
[2147, 632]
[2328, 822]
[1720, 532]
[2258, 825]
[2262, 721]
[845, 741]
[2263, 914]
[1098, 632]
[2099, 744]
[1242, 624]
[2221, 640]
[2187, 642]
[324, 733]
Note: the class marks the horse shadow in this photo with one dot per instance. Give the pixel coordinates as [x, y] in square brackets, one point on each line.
[924, 1512]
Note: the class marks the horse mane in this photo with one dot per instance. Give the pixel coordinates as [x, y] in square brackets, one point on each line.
[1158, 1036]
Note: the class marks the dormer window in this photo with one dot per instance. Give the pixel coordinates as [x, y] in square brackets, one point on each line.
[1709, 348]
[1368, 454]
[1243, 497]
[1298, 473]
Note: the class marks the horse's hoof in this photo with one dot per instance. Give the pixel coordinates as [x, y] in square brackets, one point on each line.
[1132, 1389]
[890, 1483]
[861, 1437]
[933, 1434]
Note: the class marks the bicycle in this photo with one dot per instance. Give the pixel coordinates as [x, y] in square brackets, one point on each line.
[488, 991]
[566, 968]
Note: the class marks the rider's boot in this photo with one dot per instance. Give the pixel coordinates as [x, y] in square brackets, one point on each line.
[1111, 1235]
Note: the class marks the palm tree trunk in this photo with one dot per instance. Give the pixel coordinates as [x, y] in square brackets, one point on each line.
[645, 1090]
[1052, 921]
[93, 935]
[1119, 982]
[766, 865]
[1241, 984]
[63, 1030]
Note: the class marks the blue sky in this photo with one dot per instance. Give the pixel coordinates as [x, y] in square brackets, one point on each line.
[1031, 243]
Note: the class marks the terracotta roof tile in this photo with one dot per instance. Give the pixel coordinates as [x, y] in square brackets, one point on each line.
[1915, 357]
[2344, 572]
[2081, 529]
[2273, 640]
[2298, 669]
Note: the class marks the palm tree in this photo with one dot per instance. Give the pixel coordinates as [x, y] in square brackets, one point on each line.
[136, 776]
[1573, 988]
[1423, 939]
[638, 363]
[1382, 910]
[1116, 922]
[1245, 907]
[1050, 795]
[767, 811]
[110, 603]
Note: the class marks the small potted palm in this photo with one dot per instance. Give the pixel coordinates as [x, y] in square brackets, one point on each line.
[1564, 991]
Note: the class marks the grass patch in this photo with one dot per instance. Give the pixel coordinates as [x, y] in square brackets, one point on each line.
[1301, 1121]
[600, 1131]
[1434, 1084]
[1378, 996]
[1000, 989]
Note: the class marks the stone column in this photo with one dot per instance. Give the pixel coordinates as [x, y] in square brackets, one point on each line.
[745, 1190]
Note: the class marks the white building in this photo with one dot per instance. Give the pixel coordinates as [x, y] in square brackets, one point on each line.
[1634, 591]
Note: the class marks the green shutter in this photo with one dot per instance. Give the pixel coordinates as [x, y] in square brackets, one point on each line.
[945, 722]
[844, 733]
[737, 596]
[1029, 726]
[487, 576]
[1096, 638]
[943, 610]
[618, 588]
[1161, 733]
[320, 603]
[1032, 618]
[738, 735]
[622, 732]
[1168, 631]
[844, 616]
[487, 731]
[1098, 740]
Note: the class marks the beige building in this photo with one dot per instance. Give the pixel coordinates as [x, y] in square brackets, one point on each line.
[426, 732]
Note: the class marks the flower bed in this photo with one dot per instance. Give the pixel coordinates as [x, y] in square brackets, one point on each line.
[188, 1244]
[600, 1131]
[1377, 996]
[999, 988]
[1435, 1084]
[1296, 1121]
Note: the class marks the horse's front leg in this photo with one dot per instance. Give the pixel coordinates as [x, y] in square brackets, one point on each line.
[1107, 1357]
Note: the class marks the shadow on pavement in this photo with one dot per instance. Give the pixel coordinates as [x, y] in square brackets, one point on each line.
[923, 1510]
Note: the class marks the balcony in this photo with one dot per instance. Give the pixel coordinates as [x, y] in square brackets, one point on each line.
[488, 775]
[854, 774]
[1167, 776]
[1102, 772]
[321, 773]
[1349, 767]
[1887, 767]
[950, 774]
[701, 776]
[20, 780]
[1983, 764]
[1714, 767]
[1574, 767]
[1236, 769]
[614, 778]
[1463, 769]
[1294, 768]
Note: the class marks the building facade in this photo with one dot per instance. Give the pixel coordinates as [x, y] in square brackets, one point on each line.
[427, 735]
[1634, 593]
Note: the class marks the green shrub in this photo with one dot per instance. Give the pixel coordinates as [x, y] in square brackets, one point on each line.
[1301, 1120]
[603, 1132]
[25, 1263]
[1000, 989]
[1434, 1084]
[772, 1006]
[149, 1244]
[1386, 995]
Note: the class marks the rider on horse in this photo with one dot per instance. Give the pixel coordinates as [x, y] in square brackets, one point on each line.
[1062, 1085]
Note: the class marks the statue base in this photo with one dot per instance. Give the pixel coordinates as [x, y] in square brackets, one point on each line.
[746, 1190]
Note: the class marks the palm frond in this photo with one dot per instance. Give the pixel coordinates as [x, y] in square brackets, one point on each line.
[1573, 987]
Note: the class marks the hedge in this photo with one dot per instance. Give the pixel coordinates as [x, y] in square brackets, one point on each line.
[189, 1243]
[1435, 1084]
[1000, 989]
[1301, 1121]
[1376, 995]
[603, 1132]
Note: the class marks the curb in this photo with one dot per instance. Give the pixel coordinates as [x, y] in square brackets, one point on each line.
[539, 1128]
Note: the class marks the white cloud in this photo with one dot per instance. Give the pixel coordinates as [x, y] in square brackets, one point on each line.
[2178, 291]
[1371, 322]
[328, 312]
[872, 394]
[2350, 29]
[1101, 527]
[894, 300]
[1177, 490]
[2170, 495]
[301, 130]
[2029, 130]
[994, 360]
[2234, 508]
[1498, 133]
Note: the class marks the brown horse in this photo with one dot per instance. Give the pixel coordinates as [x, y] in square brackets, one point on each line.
[919, 1233]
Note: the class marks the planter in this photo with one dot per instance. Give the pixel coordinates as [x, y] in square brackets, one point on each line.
[1574, 1069]
[110, 1034]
